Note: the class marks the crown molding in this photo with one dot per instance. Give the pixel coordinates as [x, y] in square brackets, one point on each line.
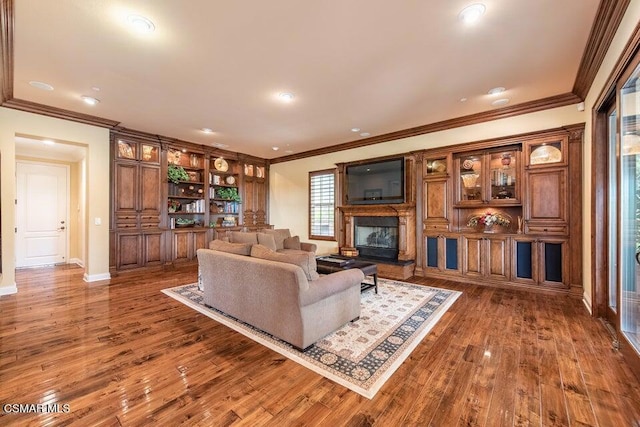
[605, 25]
[6, 49]
[487, 116]
[59, 113]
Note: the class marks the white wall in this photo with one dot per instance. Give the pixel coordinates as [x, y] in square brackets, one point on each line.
[96, 139]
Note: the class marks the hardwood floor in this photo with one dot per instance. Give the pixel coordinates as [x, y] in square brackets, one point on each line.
[123, 353]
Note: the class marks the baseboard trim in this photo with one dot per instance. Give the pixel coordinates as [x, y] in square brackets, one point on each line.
[8, 290]
[96, 277]
[76, 261]
[587, 305]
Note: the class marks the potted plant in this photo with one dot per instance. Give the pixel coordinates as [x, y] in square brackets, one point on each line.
[230, 193]
[176, 174]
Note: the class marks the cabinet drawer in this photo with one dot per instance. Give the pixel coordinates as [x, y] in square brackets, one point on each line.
[545, 229]
[125, 225]
[149, 220]
[436, 227]
[126, 221]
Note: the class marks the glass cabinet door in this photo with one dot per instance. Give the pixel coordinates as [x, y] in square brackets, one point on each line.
[471, 179]
[503, 167]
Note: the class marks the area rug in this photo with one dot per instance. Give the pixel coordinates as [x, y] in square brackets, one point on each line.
[362, 355]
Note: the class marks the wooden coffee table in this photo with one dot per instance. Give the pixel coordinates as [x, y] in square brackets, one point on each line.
[332, 264]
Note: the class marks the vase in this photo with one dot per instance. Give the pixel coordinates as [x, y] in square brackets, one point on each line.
[488, 228]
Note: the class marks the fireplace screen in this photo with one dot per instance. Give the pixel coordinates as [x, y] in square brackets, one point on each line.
[377, 237]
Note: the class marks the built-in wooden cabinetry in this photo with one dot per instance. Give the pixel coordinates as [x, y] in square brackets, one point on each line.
[255, 192]
[533, 180]
[155, 222]
[137, 239]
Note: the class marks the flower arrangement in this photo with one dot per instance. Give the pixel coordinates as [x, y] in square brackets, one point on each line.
[174, 205]
[488, 219]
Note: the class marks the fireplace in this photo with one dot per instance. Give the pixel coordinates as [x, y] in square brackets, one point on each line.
[376, 237]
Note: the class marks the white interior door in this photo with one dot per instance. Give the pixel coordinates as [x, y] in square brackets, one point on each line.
[41, 214]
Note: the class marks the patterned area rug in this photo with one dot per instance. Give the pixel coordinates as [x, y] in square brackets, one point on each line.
[361, 355]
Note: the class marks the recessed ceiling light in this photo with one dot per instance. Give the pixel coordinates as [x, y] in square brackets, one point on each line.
[207, 130]
[463, 99]
[472, 13]
[220, 145]
[48, 142]
[365, 134]
[500, 102]
[90, 100]
[275, 148]
[286, 96]
[355, 129]
[41, 85]
[141, 24]
[496, 90]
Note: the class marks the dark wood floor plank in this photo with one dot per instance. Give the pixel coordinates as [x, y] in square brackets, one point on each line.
[122, 353]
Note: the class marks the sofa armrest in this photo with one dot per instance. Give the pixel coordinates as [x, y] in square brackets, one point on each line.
[308, 247]
[331, 284]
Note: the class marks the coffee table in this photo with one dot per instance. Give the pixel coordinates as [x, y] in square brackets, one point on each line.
[332, 264]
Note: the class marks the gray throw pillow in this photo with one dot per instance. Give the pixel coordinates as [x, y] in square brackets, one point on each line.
[279, 235]
[232, 248]
[292, 243]
[305, 260]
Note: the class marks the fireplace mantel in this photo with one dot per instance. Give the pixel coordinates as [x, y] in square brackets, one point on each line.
[406, 213]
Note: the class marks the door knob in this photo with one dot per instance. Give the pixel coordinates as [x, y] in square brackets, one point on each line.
[61, 228]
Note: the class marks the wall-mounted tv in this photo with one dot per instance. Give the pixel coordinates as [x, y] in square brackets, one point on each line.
[375, 183]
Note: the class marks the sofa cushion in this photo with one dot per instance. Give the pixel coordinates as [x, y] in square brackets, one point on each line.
[292, 243]
[279, 235]
[242, 237]
[232, 248]
[267, 240]
[305, 260]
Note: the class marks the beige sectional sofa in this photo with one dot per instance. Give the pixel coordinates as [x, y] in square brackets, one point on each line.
[278, 292]
[278, 239]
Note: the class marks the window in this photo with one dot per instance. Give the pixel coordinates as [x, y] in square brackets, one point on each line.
[322, 203]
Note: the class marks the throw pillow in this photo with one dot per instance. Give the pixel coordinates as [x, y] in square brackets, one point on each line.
[292, 243]
[267, 240]
[279, 235]
[306, 261]
[242, 237]
[232, 248]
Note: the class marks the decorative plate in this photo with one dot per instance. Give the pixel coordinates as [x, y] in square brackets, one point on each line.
[439, 166]
[230, 180]
[545, 154]
[259, 172]
[467, 164]
[221, 164]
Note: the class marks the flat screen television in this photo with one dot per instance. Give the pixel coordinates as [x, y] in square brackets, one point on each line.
[375, 183]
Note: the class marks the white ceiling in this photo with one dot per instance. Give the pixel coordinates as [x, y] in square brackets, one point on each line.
[377, 65]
